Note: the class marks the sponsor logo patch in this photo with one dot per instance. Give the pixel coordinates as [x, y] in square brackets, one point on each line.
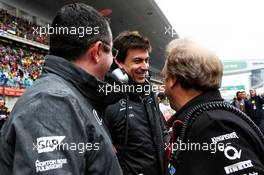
[238, 167]
[232, 153]
[122, 102]
[122, 109]
[49, 164]
[232, 135]
[48, 144]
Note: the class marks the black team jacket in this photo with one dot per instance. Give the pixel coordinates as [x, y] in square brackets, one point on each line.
[55, 127]
[138, 138]
[218, 142]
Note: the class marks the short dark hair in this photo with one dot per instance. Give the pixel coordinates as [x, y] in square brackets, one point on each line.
[162, 96]
[130, 40]
[74, 17]
[238, 92]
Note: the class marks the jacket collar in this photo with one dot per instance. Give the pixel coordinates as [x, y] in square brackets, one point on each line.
[87, 84]
[136, 92]
[205, 97]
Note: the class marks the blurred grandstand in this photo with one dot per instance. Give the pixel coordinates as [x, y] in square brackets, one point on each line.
[242, 75]
[20, 27]
[21, 59]
[19, 67]
[22, 51]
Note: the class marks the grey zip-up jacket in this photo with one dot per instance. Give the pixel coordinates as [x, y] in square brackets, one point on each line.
[55, 128]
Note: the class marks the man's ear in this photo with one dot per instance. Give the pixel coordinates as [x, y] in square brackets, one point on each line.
[172, 82]
[119, 63]
[94, 52]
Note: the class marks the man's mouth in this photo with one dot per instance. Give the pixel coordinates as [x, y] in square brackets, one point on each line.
[142, 75]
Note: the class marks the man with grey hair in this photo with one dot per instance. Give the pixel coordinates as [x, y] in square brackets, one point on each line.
[208, 135]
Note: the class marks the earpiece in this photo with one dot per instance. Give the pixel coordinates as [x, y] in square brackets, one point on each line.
[120, 75]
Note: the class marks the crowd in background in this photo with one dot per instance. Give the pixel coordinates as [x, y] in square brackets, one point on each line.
[252, 105]
[19, 67]
[164, 105]
[21, 27]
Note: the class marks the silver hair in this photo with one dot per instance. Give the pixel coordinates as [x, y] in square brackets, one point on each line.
[192, 65]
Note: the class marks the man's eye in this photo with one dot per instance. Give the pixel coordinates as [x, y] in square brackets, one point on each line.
[137, 61]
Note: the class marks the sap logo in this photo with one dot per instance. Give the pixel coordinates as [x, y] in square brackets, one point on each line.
[48, 144]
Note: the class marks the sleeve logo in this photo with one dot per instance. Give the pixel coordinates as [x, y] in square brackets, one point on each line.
[48, 144]
[238, 167]
[232, 153]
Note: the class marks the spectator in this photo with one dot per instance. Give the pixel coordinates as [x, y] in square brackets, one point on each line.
[239, 101]
[164, 106]
[27, 82]
[244, 95]
[254, 107]
[16, 62]
[21, 27]
[4, 112]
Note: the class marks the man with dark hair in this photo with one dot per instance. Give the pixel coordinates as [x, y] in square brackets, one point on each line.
[136, 123]
[4, 112]
[209, 136]
[244, 95]
[70, 38]
[55, 126]
[254, 107]
[239, 101]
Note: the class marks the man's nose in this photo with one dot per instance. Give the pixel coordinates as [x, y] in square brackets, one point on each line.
[145, 66]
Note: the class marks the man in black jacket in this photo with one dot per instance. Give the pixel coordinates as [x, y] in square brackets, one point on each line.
[4, 112]
[135, 123]
[54, 128]
[209, 137]
[254, 107]
[239, 101]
